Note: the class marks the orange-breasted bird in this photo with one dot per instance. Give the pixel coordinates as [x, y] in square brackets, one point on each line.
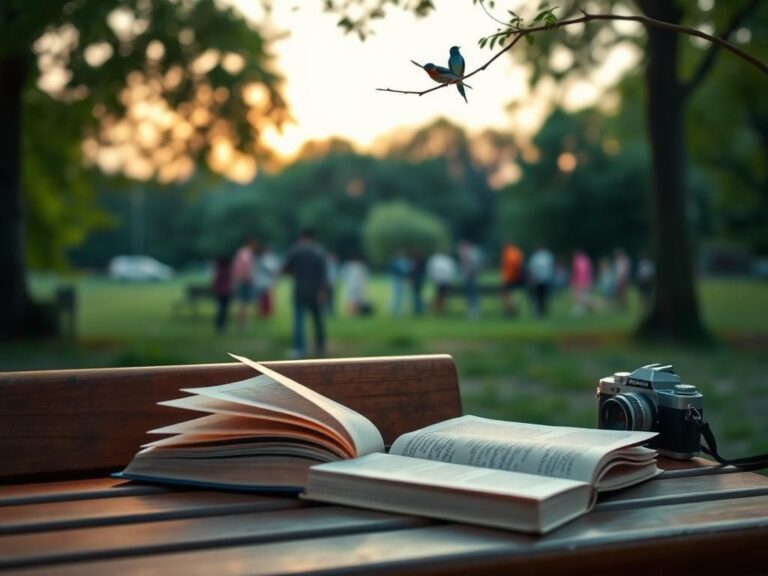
[441, 74]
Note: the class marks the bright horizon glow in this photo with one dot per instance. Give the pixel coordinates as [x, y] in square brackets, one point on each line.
[331, 77]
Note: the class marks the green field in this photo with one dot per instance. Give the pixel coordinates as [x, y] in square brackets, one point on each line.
[518, 368]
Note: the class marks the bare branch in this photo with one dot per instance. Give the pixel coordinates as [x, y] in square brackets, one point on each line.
[709, 58]
[413, 91]
[518, 33]
[491, 16]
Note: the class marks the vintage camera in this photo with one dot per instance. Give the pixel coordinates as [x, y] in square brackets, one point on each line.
[653, 398]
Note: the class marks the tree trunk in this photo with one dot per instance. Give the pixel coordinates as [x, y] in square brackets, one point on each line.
[675, 312]
[14, 300]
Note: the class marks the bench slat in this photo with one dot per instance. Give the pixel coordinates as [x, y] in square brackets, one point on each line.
[681, 535]
[675, 490]
[102, 487]
[106, 511]
[193, 534]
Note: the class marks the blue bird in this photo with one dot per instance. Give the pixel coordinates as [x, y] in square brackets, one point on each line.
[456, 65]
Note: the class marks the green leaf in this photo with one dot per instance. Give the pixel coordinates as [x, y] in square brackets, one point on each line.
[529, 39]
[345, 23]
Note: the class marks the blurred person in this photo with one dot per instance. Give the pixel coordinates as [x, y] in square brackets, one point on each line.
[417, 275]
[306, 263]
[622, 273]
[606, 280]
[222, 286]
[512, 276]
[441, 271]
[242, 277]
[399, 270]
[354, 282]
[266, 269]
[581, 283]
[562, 277]
[541, 277]
[470, 264]
[332, 271]
[646, 270]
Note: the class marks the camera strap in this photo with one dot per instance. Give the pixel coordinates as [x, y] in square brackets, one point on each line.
[750, 463]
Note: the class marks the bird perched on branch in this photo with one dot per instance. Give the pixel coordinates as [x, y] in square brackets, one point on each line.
[456, 65]
[441, 74]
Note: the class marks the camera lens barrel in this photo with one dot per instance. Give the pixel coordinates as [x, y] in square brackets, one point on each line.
[628, 411]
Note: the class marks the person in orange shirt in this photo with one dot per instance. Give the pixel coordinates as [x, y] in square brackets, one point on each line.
[512, 276]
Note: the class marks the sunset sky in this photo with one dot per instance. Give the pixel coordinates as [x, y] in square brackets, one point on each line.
[332, 77]
[331, 82]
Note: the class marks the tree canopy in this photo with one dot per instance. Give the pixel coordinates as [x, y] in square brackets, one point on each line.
[150, 88]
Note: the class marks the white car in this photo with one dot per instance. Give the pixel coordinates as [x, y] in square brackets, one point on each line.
[138, 269]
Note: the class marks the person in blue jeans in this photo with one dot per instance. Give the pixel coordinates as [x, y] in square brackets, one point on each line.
[306, 263]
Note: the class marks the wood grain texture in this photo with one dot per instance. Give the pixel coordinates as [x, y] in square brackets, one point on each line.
[147, 538]
[61, 422]
[682, 489]
[102, 487]
[664, 539]
[110, 511]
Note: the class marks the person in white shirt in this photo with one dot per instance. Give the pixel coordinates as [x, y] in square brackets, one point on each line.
[541, 273]
[441, 271]
[354, 279]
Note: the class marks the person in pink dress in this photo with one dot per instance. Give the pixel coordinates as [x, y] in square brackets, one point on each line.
[581, 282]
[242, 278]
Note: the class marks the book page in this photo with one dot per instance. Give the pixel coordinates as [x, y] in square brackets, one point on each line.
[219, 427]
[395, 468]
[264, 393]
[218, 406]
[365, 436]
[497, 498]
[247, 449]
[223, 407]
[557, 451]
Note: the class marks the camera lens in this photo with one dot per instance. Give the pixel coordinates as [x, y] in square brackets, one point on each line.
[629, 411]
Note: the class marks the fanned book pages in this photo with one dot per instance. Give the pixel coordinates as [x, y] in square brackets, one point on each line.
[271, 433]
[262, 433]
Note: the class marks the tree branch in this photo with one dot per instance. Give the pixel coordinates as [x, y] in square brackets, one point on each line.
[518, 33]
[708, 60]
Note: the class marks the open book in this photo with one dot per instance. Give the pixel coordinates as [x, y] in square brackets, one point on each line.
[260, 434]
[526, 477]
[271, 433]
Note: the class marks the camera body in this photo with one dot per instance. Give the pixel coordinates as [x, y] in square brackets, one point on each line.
[653, 398]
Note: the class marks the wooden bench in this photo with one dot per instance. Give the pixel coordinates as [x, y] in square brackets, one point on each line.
[81, 422]
[62, 432]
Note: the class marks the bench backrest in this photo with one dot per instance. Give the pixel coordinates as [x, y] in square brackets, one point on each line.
[67, 423]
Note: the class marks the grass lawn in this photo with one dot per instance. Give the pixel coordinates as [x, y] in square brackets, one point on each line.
[522, 368]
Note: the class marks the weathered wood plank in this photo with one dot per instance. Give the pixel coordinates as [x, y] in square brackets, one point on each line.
[38, 549]
[107, 511]
[687, 537]
[674, 490]
[102, 487]
[77, 421]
